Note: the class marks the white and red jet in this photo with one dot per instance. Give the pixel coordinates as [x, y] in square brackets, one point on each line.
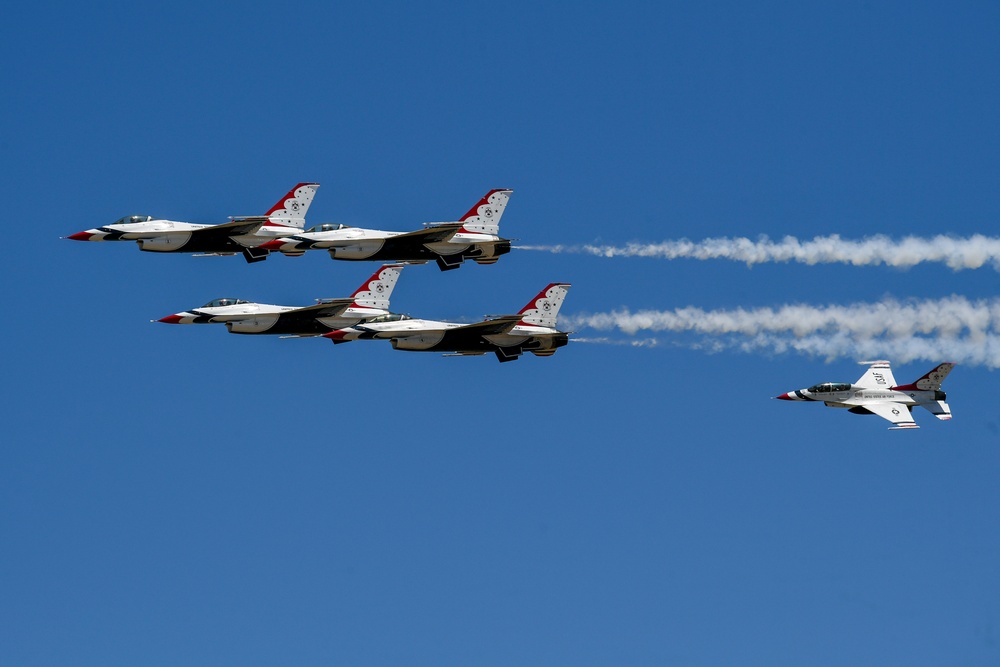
[244, 234]
[245, 317]
[876, 393]
[508, 336]
[474, 236]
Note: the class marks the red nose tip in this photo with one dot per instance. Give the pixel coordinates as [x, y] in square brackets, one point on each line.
[272, 245]
[170, 319]
[80, 236]
[335, 335]
[785, 397]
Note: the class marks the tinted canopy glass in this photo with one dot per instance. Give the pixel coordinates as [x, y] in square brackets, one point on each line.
[829, 387]
[391, 317]
[215, 303]
[132, 219]
[325, 227]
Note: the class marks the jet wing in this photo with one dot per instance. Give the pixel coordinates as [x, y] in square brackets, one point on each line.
[329, 308]
[897, 413]
[435, 234]
[878, 375]
[238, 227]
[497, 325]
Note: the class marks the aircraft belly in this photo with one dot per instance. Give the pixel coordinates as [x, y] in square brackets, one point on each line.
[254, 325]
[444, 248]
[506, 340]
[248, 240]
[425, 342]
[187, 242]
[369, 249]
[332, 323]
[410, 250]
[166, 243]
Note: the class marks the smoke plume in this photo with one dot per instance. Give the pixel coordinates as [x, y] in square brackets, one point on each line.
[949, 329]
[957, 253]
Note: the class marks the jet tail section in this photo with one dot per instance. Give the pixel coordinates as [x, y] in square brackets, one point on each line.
[931, 381]
[375, 292]
[878, 375]
[544, 308]
[484, 217]
[290, 211]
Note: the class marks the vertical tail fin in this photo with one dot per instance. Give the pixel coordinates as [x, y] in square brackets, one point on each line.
[544, 308]
[931, 380]
[484, 217]
[290, 211]
[375, 291]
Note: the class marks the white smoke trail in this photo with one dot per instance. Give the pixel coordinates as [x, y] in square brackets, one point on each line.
[953, 328]
[642, 342]
[980, 352]
[958, 253]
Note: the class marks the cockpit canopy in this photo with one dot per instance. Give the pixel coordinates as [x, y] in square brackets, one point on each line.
[326, 227]
[215, 303]
[132, 219]
[391, 317]
[829, 387]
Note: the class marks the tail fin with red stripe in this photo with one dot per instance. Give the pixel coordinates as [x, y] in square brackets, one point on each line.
[544, 308]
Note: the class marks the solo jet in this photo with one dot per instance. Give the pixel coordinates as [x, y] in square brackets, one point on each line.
[508, 336]
[244, 234]
[876, 393]
[245, 317]
[474, 236]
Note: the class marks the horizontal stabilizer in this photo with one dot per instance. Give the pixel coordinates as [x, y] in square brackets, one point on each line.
[939, 409]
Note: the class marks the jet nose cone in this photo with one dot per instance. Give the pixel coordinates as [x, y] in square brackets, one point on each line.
[272, 245]
[785, 397]
[171, 319]
[80, 236]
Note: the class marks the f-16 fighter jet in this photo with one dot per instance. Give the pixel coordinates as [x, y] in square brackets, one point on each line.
[474, 236]
[532, 330]
[876, 393]
[243, 234]
[244, 317]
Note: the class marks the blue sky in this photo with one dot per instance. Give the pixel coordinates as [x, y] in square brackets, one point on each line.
[177, 495]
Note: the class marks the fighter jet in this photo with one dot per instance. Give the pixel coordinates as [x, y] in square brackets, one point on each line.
[508, 336]
[245, 317]
[474, 236]
[244, 234]
[876, 393]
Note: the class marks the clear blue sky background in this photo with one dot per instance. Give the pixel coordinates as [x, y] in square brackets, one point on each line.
[178, 495]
